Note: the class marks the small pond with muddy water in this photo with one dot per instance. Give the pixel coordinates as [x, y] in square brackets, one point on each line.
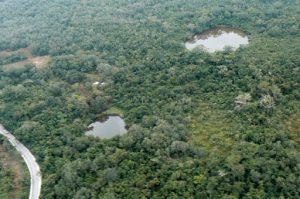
[216, 39]
[108, 128]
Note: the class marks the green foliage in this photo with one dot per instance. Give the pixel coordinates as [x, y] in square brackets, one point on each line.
[13, 184]
[199, 179]
[12, 58]
[221, 125]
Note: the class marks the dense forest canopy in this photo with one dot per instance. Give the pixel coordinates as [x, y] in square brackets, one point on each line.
[201, 125]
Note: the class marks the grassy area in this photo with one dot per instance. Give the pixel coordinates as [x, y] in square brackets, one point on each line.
[25, 51]
[114, 111]
[293, 126]
[39, 61]
[211, 129]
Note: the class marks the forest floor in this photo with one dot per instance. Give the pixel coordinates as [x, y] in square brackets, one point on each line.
[9, 161]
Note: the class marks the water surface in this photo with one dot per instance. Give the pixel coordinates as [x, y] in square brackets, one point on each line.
[217, 39]
[111, 127]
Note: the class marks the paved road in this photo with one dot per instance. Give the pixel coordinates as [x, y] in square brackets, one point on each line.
[34, 169]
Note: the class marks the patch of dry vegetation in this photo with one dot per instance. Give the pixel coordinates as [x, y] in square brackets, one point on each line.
[13, 167]
[210, 129]
[39, 61]
[293, 126]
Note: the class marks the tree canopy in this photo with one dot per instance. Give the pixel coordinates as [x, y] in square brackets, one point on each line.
[201, 125]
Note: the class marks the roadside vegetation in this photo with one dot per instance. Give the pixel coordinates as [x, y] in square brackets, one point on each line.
[14, 176]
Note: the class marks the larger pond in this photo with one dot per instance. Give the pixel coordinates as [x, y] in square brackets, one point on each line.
[111, 127]
[217, 39]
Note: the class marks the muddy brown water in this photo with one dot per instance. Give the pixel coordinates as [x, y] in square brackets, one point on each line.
[112, 126]
[216, 39]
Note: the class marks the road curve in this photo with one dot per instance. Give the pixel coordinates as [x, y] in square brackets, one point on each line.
[34, 169]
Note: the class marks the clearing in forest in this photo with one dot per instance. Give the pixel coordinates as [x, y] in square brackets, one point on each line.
[39, 61]
[211, 129]
[293, 126]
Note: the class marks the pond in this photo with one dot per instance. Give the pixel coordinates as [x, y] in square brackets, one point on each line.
[217, 38]
[114, 125]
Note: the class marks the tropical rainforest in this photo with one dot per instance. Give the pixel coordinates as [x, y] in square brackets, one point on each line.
[189, 135]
